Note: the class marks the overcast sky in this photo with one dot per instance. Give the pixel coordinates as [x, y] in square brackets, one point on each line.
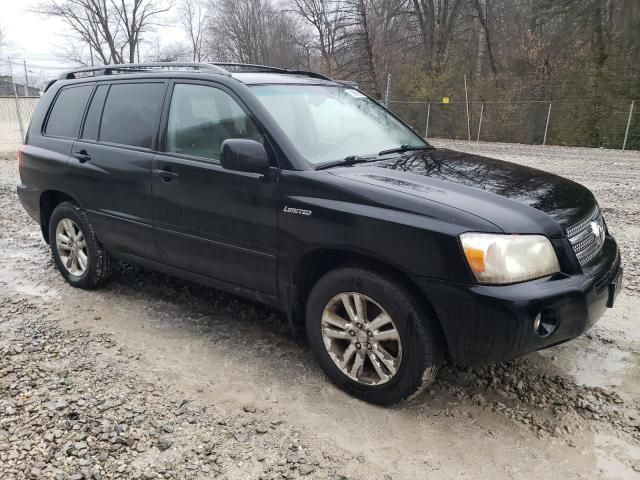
[40, 41]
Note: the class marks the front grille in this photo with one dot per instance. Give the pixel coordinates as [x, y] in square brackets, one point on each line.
[587, 236]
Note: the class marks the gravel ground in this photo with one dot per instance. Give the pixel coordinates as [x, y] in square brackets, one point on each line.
[154, 377]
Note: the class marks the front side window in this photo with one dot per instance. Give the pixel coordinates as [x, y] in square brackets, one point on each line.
[66, 114]
[201, 118]
[329, 123]
[130, 113]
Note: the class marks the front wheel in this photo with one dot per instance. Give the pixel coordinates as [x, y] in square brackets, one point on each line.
[77, 253]
[371, 336]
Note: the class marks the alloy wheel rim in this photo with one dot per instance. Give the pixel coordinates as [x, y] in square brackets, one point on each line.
[361, 338]
[72, 247]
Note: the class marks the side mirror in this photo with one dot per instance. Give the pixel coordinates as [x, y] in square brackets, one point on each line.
[244, 155]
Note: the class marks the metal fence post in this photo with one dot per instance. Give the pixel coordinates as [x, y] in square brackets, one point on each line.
[15, 96]
[426, 130]
[480, 122]
[26, 79]
[466, 97]
[386, 93]
[546, 127]
[626, 132]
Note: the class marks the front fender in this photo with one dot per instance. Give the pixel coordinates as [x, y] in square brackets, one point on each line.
[415, 236]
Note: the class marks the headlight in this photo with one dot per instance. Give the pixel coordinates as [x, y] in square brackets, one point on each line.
[496, 258]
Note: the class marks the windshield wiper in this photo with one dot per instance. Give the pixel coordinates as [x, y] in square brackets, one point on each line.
[350, 160]
[405, 148]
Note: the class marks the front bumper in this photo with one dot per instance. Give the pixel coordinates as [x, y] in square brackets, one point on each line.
[487, 324]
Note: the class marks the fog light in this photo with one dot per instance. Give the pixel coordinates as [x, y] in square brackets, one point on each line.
[545, 322]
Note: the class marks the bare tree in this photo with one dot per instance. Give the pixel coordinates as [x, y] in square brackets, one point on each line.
[254, 31]
[359, 40]
[485, 45]
[113, 29]
[193, 17]
[240, 29]
[437, 21]
[520, 50]
[173, 52]
[137, 17]
[393, 38]
[326, 17]
[288, 42]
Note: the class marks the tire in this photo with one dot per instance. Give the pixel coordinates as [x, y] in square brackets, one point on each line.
[97, 263]
[420, 347]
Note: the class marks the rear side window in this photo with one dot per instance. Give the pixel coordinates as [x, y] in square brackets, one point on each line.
[92, 122]
[66, 114]
[130, 113]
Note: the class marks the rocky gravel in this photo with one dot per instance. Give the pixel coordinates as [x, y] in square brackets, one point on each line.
[72, 409]
[550, 405]
[154, 377]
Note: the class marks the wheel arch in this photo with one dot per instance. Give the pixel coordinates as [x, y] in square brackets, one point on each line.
[49, 200]
[316, 263]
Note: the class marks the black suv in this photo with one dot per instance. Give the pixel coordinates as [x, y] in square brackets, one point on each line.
[301, 192]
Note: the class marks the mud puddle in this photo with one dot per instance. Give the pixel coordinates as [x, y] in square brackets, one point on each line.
[594, 364]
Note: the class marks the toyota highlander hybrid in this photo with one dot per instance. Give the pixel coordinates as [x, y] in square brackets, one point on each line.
[302, 192]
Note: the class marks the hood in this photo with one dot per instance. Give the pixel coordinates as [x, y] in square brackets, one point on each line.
[516, 198]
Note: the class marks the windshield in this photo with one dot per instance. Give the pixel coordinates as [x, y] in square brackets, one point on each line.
[329, 123]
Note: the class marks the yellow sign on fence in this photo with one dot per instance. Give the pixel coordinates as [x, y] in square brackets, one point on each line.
[445, 99]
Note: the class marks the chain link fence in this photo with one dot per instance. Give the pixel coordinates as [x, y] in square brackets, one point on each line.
[573, 123]
[615, 125]
[15, 115]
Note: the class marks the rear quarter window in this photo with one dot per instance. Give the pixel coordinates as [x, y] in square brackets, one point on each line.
[66, 113]
[130, 113]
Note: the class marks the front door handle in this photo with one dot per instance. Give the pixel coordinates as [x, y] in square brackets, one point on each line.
[82, 155]
[165, 175]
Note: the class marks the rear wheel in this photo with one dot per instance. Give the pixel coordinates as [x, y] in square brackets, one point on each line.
[76, 251]
[371, 336]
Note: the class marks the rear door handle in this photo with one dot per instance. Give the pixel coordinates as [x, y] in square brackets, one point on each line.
[82, 155]
[165, 175]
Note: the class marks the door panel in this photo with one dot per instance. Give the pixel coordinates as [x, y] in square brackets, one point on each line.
[115, 188]
[215, 222]
[115, 177]
[209, 220]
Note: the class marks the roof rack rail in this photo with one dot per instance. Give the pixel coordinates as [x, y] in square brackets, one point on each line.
[116, 68]
[248, 67]
[214, 67]
[251, 67]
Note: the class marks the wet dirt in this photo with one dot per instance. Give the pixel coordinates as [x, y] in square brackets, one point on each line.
[568, 412]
